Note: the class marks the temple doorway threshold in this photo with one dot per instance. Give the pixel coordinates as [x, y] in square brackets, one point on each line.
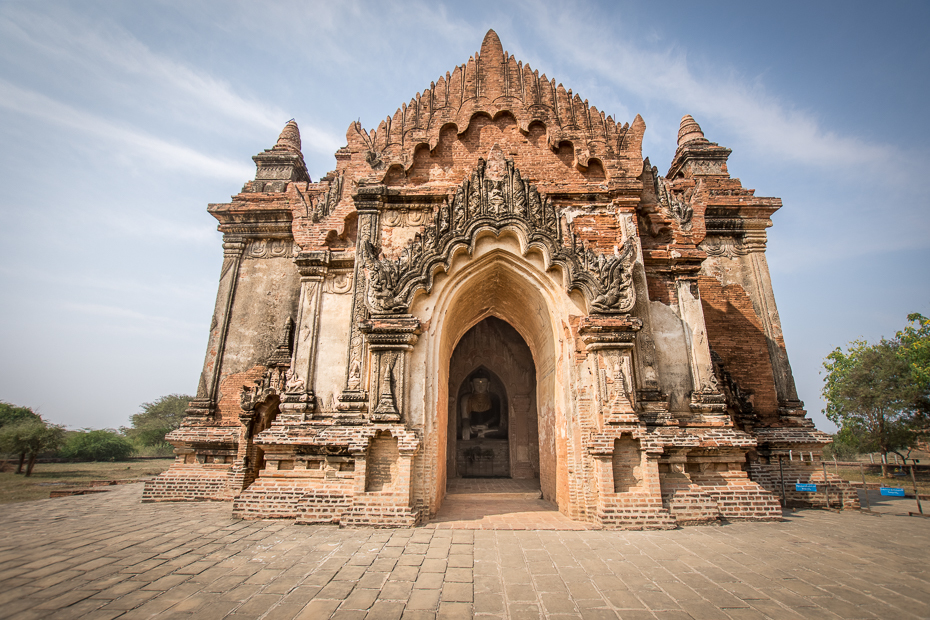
[499, 504]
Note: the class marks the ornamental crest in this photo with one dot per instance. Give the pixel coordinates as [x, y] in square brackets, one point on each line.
[483, 202]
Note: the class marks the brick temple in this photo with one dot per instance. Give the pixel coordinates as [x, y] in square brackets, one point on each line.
[495, 283]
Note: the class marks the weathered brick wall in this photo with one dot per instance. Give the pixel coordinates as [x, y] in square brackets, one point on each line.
[627, 464]
[227, 406]
[638, 508]
[735, 333]
[381, 464]
[314, 491]
[267, 291]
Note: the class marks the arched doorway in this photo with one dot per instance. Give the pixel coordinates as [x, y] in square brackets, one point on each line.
[493, 427]
[504, 277]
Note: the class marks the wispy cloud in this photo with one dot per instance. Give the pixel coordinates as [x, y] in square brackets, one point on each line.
[107, 51]
[124, 72]
[153, 150]
[743, 105]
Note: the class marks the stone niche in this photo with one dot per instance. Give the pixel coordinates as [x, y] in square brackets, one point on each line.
[492, 381]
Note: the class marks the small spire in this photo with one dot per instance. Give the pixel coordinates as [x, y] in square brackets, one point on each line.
[289, 140]
[689, 131]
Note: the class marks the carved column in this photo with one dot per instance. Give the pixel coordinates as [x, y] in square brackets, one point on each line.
[203, 406]
[390, 339]
[650, 396]
[609, 342]
[312, 267]
[705, 397]
[353, 400]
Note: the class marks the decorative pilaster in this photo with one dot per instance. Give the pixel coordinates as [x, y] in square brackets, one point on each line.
[390, 339]
[312, 267]
[354, 398]
[609, 342]
[203, 407]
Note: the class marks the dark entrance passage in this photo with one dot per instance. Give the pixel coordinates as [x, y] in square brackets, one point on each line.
[493, 426]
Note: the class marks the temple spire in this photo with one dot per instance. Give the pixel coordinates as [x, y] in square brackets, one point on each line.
[689, 131]
[289, 140]
[281, 164]
[696, 155]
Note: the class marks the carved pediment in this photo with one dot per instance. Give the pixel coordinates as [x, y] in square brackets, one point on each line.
[495, 202]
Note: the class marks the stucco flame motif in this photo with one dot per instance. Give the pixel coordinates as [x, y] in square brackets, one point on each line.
[483, 203]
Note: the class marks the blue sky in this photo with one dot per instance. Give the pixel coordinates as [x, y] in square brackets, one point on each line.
[121, 121]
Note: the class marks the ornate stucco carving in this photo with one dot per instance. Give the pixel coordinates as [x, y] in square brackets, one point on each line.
[326, 203]
[271, 248]
[677, 207]
[729, 247]
[482, 202]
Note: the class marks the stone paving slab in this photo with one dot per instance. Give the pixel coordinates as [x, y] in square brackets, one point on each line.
[109, 556]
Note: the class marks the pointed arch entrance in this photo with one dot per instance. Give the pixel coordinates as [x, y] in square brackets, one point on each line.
[501, 279]
[493, 427]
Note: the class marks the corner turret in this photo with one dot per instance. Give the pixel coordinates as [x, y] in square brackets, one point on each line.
[696, 156]
[281, 164]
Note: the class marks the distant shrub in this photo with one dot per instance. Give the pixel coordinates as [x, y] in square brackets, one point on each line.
[157, 419]
[103, 445]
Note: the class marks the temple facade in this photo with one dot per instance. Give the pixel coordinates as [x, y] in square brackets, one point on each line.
[495, 283]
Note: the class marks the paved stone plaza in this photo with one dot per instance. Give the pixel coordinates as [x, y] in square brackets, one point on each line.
[108, 555]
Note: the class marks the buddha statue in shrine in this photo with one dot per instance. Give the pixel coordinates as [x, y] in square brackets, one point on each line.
[480, 410]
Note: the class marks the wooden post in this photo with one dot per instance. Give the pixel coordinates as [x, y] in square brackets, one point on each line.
[916, 492]
[781, 477]
[826, 492]
[868, 502]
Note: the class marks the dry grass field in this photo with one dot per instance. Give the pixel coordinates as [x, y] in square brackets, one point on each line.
[47, 477]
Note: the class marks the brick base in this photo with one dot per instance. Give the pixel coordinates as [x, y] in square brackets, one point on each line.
[302, 499]
[185, 483]
[633, 511]
[269, 499]
[323, 507]
[379, 510]
[691, 506]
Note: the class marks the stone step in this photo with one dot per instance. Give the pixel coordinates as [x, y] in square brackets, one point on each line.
[494, 497]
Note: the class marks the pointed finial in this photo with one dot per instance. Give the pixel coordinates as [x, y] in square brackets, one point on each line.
[289, 139]
[689, 130]
[491, 46]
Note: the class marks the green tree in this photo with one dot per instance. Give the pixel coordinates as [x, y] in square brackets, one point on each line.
[11, 414]
[100, 445]
[157, 419]
[31, 437]
[914, 347]
[871, 396]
